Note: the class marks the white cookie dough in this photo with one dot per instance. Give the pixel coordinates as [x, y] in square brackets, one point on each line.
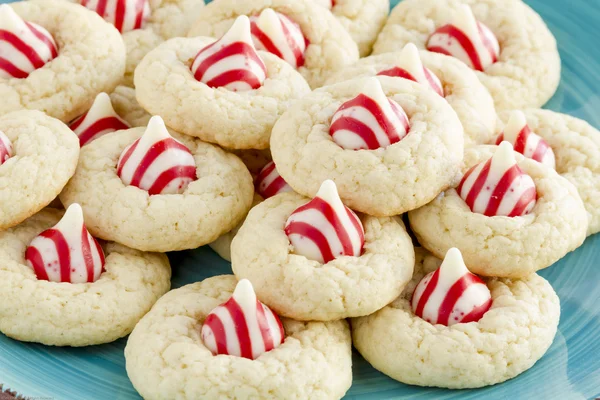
[511, 247]
[45, 157]
[330, 46]
[166, 359]
[514, 334]
[211, 205]
[382, 182]
[303, 289]
[91, 59]
[462, 89]
[82, 314]
[576, 145]
[528, 70]
[165, 86]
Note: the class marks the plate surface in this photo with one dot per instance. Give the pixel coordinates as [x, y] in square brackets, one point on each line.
[570, 369]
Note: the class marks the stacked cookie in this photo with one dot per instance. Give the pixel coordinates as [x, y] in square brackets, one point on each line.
[254, 127]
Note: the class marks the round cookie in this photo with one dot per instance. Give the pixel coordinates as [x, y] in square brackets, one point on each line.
[363, 19]
[297, 287]
[462, 89]
[383, 182]
[527, 72]
[514, 334]
[165, 354]
[330, 46]
[239, 120]
[45, 153]
[91, 59]
[69, 314]
[511, 247]
[576, 145]
[126, 105]
[211, 205]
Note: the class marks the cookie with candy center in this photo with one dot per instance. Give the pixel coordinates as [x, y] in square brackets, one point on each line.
[451, 294]
[278, 34]
[232, 61]
[99, 120]
[409, 66]
[524, 141]
[370, 120]
[242, 326]
[24, 46]
[466, 39]
[498, 186]
[66, 252]
[157, 162]
[324, 228]
[6, 149]
[125, 15]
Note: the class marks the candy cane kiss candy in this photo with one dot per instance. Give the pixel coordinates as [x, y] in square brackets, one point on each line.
[232, 61]
[524, 141]
[24, 46]
[156, 162]
[451, 294]
[369, 121]
[466, 39]
[125, 15]
[268, 183]
[409, 66]
[6, 149]
[498, 186]
[242, 326]
[66, 252]
[324, 228]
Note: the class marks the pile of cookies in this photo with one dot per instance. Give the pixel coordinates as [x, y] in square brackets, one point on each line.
[401, 202]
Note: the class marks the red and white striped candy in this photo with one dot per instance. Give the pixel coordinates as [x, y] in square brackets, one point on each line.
[232, 61]
[156, 162]
[100, 119]
[409, 66]
[324, 228]
[466, 39]
[24, 46]
[279, 35]
[268, 183]
[125, 15]
[6, 149]
[369, 121]
[498, 186]
[66, 252]
[524, 141]
[242, 326]
[451, 294]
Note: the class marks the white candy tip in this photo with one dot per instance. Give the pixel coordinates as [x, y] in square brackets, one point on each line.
[73, 217]
[373, 89]
[517, 118]
[268, 13]
[244, 292]
[156, 129]
[8, 16]
[102, 102]
[328, 189]
[409, 50]
[454, 257]
[240, 30]
[453, 264]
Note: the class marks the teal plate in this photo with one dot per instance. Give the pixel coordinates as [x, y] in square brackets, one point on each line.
[569, 370]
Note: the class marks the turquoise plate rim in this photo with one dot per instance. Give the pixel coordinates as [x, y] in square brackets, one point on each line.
[569, 370]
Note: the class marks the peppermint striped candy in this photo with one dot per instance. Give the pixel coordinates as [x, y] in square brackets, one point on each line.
[524, 141]
[125, 15]
[242, 326]
[24, 46]
[66, 252]
[451, 294]
[498, 186]
[232, 61]
[369, 121]
[156, 162]
[6, 149]
[466, 39]
[100, 119]
[268, 183]
[409, 66]
[279, 35]
[324, 228]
